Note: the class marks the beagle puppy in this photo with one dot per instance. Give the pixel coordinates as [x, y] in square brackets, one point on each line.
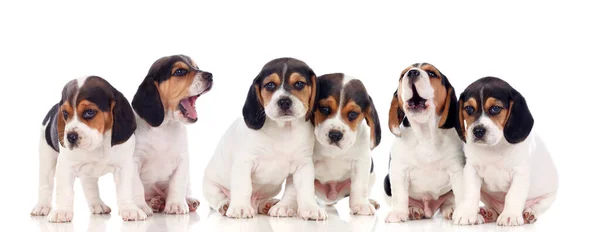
[165, 103]
[272, 142]
[508, 165]
[89, 133]
[426, 159]
[343, 163]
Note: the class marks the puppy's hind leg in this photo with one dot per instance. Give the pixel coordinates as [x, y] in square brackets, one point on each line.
[531, 213]
[217, 199]
[447, 208]
[47, 168]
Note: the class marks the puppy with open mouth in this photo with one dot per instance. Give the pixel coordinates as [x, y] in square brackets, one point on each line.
[165, 103]
[426, 159]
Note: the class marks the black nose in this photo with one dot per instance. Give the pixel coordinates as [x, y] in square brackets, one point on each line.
[207, 75]
[413, 74]
[72, 137]
[284, 103]
[479, 132]
[335, 135]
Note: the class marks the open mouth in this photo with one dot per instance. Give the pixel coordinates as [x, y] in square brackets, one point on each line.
[416, 102]
[187, 106]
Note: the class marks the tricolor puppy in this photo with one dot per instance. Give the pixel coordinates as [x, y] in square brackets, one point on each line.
[508, 166]
[426, 159]
[90, 133]
[343, 164]
[165, 103]
[273, 142]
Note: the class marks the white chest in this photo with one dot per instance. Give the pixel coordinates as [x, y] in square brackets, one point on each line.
[494, 178]
[332, 169]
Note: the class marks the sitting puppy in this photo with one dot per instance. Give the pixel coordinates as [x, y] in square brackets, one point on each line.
[273, 141]
[426, 160]
[90, 133]
[164, 103]
[508, 166]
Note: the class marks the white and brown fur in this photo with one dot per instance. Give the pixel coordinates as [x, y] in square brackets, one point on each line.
[164, 104]
[89, 133]
[272, 142]
[508, 166]
[426, 159]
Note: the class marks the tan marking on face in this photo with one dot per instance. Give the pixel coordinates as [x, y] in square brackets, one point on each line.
[176, 88]
[349, 107]
[62, 122]
[440, 91]
[265, 95]
[102, 121]
[498, 119]
[303, 95]
[329, 102]
[469, 118]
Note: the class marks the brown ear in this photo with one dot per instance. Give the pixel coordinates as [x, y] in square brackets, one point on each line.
[396, 115]
[460, 125]
[449, 114]
[313, 95]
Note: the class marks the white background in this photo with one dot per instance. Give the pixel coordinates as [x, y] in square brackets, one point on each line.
[547, 51]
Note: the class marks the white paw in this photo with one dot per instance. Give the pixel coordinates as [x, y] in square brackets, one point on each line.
[176, 207]
[41, 210]
[60, 216]
[144, 207]
[366, 209]
[510, 219]
[132, 213]
[193, 204]
[529, 216]
[415, 213]
[313, 212]
[283, 209]
[462, 216]
[241, 211]
[397, 216]
[99, 208]
[447, 212]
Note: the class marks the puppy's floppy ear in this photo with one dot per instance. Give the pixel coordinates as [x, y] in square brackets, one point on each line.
[520, 121]
[450, 112]
[147, 103]
[123, 119]
[253, 111]
[396, 115]
[373, 121]
[460, 122]
[313, 97]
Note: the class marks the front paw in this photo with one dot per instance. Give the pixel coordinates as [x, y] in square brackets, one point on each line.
[462, 216]
[366, 209]
[397, 216]
[60, 216]
[313, 212]
[447, 212]
[510, 219]
[241, 211]
[176, 207]
[99, 208]
[132, 213]
[41, 210]
[147, 209]
[283, 209]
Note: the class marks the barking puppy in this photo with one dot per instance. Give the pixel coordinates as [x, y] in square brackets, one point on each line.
[426, 159]
[272, 142]
[92, 129]
[164, 104]
[508, 166]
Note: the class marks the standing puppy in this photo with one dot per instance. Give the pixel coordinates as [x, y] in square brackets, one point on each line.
[273, 141]
[426, 160]
[165, 103]
[90, 133]
[508, 167]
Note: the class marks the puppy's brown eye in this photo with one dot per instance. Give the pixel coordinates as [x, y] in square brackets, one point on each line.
[431, 74]
[65, 114]
[352, 115]
[180, 72]
[324, 110]
[495, 110]
[270, 86]
[470, 110]
[299, 85]
[88, 114]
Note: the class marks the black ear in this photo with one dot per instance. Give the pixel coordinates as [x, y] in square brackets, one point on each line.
[450, 113]
[253, 111]
[123, 120]
[520, 121]
[147, 103]
[312, 105]
[373, 121]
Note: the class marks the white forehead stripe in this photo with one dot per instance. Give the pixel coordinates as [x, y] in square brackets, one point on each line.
[80, 81]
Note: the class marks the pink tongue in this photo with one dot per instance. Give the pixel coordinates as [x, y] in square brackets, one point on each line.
[188, 104]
